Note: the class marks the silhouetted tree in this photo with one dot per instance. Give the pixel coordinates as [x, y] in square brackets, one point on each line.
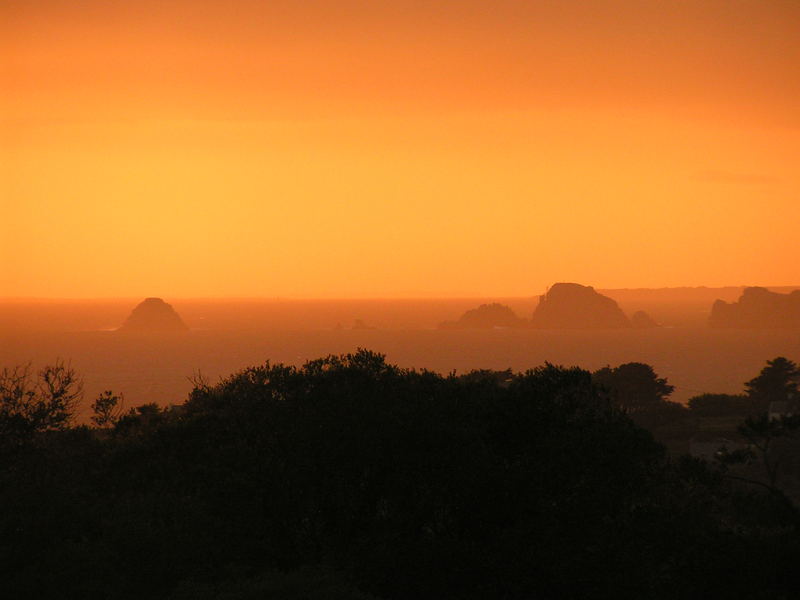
[773, 451]
[32, 403]
[773, 440]
[779, 381]
[107, 409]
[633, 386]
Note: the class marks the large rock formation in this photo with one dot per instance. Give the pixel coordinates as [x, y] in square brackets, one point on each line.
[486, 316]
[758, 308]
[574, 306]
[153, 315]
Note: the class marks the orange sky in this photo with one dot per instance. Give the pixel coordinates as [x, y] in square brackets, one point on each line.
[403, 148]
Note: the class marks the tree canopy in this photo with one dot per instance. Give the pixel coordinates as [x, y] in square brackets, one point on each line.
[779, 381]
[352, 478]
[633, 386]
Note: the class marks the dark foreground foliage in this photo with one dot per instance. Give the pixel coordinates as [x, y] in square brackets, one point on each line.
[350, 478]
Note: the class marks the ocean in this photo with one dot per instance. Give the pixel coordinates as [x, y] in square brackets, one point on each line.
[227, 336]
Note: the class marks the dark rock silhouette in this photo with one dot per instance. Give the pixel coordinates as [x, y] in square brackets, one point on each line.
[574, 306]
[486, 316]
[641, 320]
[758, 308]
[153, 315]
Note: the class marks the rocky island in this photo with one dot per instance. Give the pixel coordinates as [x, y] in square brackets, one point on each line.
[153, 315]
[486, 316]
[758, 308]
[575, 306]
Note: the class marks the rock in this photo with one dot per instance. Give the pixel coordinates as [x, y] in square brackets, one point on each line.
[641, 320]
[486, 316]
[153, 315]
[758, 308]
[574, 306]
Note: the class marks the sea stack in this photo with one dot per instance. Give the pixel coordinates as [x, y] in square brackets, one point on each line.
[486, 316]
[574, 306]
[758, 308]
[153, 315]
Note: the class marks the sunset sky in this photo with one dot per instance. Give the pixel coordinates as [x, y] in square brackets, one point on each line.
[401, 148]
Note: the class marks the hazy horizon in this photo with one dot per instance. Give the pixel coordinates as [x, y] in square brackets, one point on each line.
[677, 288]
